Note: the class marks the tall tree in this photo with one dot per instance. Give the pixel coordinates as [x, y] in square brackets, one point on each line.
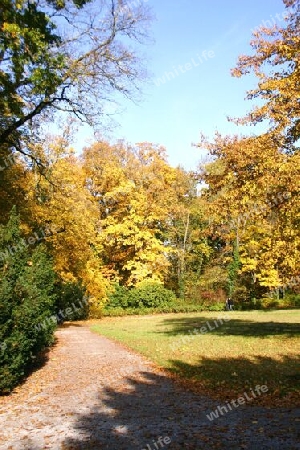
[254, 181]
[63, 208]
[64, 56]
[137, 195]
[276, 65]
[254, 203]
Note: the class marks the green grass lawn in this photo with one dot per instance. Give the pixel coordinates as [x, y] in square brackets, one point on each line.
[219, 354]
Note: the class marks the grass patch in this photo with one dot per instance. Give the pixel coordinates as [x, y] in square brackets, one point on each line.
[218, 357]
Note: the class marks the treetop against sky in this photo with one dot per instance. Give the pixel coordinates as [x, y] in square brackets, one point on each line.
[177, 106]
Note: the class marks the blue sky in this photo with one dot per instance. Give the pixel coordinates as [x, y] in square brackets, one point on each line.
[199, 41]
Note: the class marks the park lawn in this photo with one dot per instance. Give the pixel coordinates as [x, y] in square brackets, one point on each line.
[219, 354]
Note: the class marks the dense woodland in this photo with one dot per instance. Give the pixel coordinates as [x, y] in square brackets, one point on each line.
[117, 225]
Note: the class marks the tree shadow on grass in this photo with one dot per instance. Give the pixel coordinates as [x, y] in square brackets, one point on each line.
[228, 325]
[153, 413]
[228, 377]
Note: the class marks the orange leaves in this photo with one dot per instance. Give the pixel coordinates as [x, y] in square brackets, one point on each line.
[277, 47]
[253, 199]
[135, 193]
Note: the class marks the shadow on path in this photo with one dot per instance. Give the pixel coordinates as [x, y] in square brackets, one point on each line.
[146, 413]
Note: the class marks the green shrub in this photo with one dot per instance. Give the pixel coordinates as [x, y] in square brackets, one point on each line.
[146, 295]
[26, 303]
[150, 295]
[71, 303]
[178, 306]
[218, 306]
[289, 301]
[153, 298]
[117, 298]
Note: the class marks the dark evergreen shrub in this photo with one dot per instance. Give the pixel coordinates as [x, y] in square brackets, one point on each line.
[71, 303]
[26, 303]
[150, 295]
[118, 297]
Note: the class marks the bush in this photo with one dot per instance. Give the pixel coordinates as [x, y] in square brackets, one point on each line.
[211, 297]
[218, 306]
[146, 295]
[117, 298]
[289, 301]
[71, 302]
[153, 298]
[26, 302]
[179, 306]
[150, 295]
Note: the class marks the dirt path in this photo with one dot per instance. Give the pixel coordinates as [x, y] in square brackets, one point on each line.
[95, 394]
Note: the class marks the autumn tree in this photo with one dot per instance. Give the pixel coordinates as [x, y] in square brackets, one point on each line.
[254, 207]
[185, 235]
[13, 184]
[254, 181]
[275, 63]
[64, 57]
[137, 195]
[61, 205]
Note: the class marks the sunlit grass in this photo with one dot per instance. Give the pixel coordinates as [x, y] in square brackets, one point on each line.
[224, 360]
